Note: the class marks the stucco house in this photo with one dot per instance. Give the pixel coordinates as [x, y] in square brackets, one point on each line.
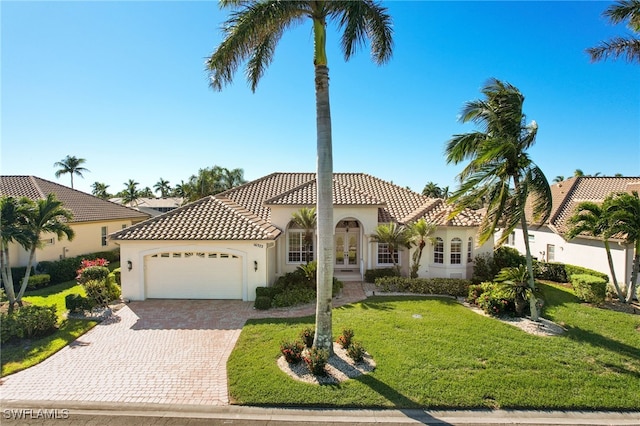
[224, 246]
[93, 219]
[548, 243]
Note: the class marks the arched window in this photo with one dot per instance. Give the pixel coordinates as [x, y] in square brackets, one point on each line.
[456, 251]
[438, 251]
[470, 250]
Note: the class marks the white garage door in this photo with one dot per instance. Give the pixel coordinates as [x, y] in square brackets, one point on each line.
[193, 275]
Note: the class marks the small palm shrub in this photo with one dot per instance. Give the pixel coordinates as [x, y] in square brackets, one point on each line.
[292, 351]
[356, 351]
[513, 283]
[307, 335]
[316, 360]
[345, 338]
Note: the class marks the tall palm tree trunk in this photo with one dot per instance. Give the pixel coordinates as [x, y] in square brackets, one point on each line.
[631, 288]
[607, 248]
[7, 276]
[531, 281]
[323, 333]
[25, 281]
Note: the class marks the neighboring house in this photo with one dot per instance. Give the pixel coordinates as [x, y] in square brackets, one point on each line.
[224, 246]
[548, 243]
[93, 219]
[152, 206]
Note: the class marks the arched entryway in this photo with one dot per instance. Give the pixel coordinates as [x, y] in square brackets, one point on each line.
[348, 237]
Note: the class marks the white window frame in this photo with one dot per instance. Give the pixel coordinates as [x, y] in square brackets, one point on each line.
[382, 252]
[302, 252]
[511, 239]
[551, 252]
[455, 252]
[103, 236]
[469, 249]
[438, 251]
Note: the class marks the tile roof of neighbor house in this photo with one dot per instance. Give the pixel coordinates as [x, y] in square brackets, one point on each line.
[152, 202]
[244, 212]
[85, 207]
[569, 193]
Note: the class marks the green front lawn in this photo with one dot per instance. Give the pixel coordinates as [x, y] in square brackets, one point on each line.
[451, 357]
[20, 355]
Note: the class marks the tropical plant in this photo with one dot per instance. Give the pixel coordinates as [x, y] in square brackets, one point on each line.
[231, 178]
[163, 187]
[394, 236]
[558, 179]
[13, 229]
[431, 189]
[305, 218]
[513, 282]
[628, 48]
[591, 219]
[252, 33]
[623, 211]
[146, 192]
[71, 165]
[47, 216]
[130, 195]
[419, 232]
[500, 171]
[99, 190]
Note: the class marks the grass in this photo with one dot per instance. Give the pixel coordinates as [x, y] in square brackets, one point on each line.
[26, 353]
[451, 357]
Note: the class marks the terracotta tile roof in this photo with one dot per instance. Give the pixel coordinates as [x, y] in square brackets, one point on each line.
[438, 210]
[85, 207]
[244, 212]
[210, 218]
[568, 194]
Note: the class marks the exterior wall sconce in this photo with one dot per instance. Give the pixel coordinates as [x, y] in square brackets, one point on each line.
[129, 265]
[255, 265]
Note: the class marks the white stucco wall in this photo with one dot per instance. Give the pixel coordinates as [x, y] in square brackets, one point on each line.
[88, 239]
[588, 253]
[133, 281]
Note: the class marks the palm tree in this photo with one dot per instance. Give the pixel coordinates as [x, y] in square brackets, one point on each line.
[419, 232]
[146, 192]
[252, 33]
[13, 229]
[591, 219]
[514, 283]
[71, 165]
[623, 211]
[558, 179]
[131, 194]
[232, 178]
[305, 218]
[628, 48]
[47, 216]
[578, 173]
[394, 237]
[163, 187]
[500, 172]
[431, 189]
[99, 190]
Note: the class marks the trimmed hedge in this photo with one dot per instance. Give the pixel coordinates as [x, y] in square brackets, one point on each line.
[67, 269]
[449, 286]
[370, 275]
[17, 274]
[561, 272]
[76, 303]
[38, 281]
[589, 288]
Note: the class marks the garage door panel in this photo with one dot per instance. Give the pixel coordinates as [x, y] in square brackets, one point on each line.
[188, 275]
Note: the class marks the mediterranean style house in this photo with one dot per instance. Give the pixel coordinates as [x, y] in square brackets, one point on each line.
[548, 243]
[93, 219]
[226, 245]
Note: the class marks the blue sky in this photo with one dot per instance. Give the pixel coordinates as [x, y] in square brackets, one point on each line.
[123, 85]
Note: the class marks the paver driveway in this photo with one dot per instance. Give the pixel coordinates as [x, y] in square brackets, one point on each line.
[157, 351]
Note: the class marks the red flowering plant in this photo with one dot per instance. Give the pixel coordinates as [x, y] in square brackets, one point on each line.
[92, 269]
[345, 338]
[292, 351]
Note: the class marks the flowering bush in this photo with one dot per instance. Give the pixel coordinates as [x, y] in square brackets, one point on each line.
[356, 351]
[92, 270]
[495, 303]
[307, 335]
[292, 351]
[316, 359]
[345, 338]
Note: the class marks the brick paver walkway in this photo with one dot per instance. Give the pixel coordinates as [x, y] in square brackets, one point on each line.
[156, 351]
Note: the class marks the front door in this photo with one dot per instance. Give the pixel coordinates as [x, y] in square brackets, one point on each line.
[346, 249]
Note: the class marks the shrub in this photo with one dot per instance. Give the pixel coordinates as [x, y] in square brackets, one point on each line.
[38, 281]
[589, 288]
[18, 274]
[370, 275]
[117, 275]
[109, 255]
[495, 303]
[294, 296]
[550, 271]
[292, 351]
[309, 270]
[77, 303]
[262, 303]
[449, 286]
[98, 292]
[487, 266]
[265, 291]
[27, 321]
[93, 273]
[576, 270]
[345, 338]
[316, 359]
[476, 290]
[336, 287]
[307, 335]
[356, 351]
[60, 270]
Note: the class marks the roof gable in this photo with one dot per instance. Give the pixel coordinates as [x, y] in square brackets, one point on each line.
[306, 195]
[85, 207]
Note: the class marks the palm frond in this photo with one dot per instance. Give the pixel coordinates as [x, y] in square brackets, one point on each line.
[617, 47]
[624, 10]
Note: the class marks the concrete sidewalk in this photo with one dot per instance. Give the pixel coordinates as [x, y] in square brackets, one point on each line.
[78, 413]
